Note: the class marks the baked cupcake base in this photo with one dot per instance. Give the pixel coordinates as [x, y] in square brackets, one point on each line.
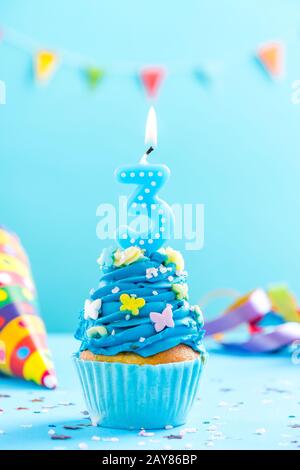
[135, 396]
[177, 354]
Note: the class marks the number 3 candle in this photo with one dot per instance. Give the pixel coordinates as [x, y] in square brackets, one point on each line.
[144, 207]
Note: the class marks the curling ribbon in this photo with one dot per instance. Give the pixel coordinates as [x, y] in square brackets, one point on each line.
[257, 310]
[23, 347]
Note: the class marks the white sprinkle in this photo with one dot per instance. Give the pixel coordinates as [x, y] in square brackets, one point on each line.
[142, 339]
[124, 236]
[123, 175]
[113, 332]
[154, 292]
[163, 219]
[150, 241]
[96, 438]
[159, 173]
[142, 242]
[147, 190]
[169, 426]
[51, 432]
[212, 427]
[132, 174]
[153, 183]
[150, 173]
[162, 229]
[140, 198]
[132, 240]
[142, 173]
[223, 403]
[146, 434]
[143, 205]
[134, 204]
[157, 235]
[170, 278]
[127, 317]
[83, 445]
[163, 269]
[115, 290]
[187, 430]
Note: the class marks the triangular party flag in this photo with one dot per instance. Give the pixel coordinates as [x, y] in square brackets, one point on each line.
[152, 78]
[45, 63]
[94, 76]
[271, 57]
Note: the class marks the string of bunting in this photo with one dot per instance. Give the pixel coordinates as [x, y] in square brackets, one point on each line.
[270, 57]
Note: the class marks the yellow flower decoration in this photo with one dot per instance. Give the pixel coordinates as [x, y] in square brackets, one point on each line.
[128, 256]
[174, 257]
[181, 291]
[133, 304]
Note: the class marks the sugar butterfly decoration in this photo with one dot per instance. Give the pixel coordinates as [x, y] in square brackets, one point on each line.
[163, 320]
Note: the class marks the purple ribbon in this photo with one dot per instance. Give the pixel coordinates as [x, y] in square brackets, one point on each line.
[253, 309]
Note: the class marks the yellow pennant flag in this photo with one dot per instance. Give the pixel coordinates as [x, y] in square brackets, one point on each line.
[45, 65]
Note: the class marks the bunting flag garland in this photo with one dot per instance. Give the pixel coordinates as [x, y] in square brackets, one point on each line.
[152, 78]
[45, 63]
[94, 76]
[271, 57]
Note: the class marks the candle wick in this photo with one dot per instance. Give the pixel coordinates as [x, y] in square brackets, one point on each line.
[150, 149]
[143, 160]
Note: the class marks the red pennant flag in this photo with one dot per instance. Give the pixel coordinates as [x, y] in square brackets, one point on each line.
[152, 78]
[271, 56]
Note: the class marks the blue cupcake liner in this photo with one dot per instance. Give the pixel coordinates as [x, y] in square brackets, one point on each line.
[130, 396]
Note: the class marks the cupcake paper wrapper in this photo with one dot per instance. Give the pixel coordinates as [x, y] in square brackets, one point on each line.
[130, 396]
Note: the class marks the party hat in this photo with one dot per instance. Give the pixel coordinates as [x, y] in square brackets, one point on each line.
[23, 346]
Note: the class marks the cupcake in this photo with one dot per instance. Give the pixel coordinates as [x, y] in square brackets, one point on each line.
[141, 353]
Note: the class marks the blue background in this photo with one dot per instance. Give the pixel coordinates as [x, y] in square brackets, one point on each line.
[232, 146]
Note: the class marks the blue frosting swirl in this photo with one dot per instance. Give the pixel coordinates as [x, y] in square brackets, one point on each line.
[125, 331]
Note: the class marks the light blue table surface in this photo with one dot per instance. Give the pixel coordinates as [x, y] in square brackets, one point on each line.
[243, 403]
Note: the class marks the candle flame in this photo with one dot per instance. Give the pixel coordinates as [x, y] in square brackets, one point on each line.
[151, 128]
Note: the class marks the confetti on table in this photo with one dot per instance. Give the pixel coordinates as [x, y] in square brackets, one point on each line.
[83, 445]
[72, 428]
[60, 437]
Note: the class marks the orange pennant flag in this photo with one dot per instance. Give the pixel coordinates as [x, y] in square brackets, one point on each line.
[45, 65]
[271, 56]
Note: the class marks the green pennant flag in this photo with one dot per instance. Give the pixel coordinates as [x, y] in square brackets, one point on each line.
[94, 76]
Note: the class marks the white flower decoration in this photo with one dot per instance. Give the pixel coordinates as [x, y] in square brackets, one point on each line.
[91, 308]
[151, 272]
[163, 269]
